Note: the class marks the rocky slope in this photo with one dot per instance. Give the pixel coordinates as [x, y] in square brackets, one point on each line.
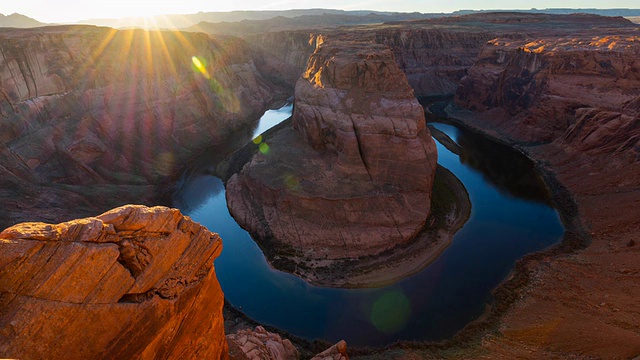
[583, 88]
[571, 103]
[134, 282]
[354, 175]
[91, 118]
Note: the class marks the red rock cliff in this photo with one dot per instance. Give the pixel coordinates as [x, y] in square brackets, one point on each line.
[434, 60]
[282, 56]
[582, 89]
[134, 282]
[84, 108]
[354, 178]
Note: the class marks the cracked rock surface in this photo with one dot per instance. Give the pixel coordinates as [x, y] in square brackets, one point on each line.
[134, 282]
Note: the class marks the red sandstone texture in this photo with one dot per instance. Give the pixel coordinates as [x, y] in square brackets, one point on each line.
[92, 118]
[134, 282]
[354, 178]
[573, 104]
[584, 88]
[260, 344]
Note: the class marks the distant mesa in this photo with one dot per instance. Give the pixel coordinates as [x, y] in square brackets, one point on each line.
[19, 21]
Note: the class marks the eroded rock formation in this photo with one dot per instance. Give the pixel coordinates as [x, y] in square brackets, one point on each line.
[434, 60]
[92, 118]
[354, 175]
[336, 352]
[582, 88]
[260, 344]
[134, 282]
[283, 55]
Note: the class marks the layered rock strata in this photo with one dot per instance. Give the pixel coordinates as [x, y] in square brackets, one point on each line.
[92, 118]
[134, 282]
[434, 59]
[283, 55]
[260, 344]
[353, 176]
[582, 88]
[570, 103]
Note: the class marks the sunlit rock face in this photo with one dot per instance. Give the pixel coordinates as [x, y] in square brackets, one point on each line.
[579, 87]
[283, 55]
[84, 108]
[135, 282]
[354, 175]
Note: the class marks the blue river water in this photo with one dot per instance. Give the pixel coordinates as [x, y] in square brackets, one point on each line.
[510, 218]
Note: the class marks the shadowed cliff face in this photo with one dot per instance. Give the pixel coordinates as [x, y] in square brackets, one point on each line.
[434, 60]
[283, 56]
[83, 109]
[134, 282]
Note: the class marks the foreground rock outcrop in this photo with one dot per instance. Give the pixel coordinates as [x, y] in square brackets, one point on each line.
[92, 118]
[260, 344]
[134, 282]
[354, 175]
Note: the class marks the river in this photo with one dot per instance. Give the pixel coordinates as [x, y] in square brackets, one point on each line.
[511, 217]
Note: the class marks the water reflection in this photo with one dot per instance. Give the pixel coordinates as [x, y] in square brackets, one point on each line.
[196, 185]
[430, 305]
[499, 164]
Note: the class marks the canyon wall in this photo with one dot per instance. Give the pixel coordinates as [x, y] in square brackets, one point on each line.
[353, 176]
[568, 96]
[134, 282]
[434, 60]
[282, 56]
[580, 88]
[91, 118]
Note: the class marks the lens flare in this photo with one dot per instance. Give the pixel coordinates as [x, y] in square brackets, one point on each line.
[391, 312]
[292, 182]
[200, 66]
[264, 148]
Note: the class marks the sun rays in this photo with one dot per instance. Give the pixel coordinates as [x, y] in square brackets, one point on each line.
[156, 88]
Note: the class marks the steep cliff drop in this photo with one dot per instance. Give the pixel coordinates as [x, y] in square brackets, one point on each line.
[93, 118]
[581, 88]
[134, 282]
[354, 175]
[569, 97]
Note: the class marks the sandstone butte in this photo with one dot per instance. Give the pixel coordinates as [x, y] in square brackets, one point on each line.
[353, 176]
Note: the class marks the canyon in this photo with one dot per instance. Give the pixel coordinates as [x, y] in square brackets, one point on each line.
[353, 175]
[93, 118]
[561, 89]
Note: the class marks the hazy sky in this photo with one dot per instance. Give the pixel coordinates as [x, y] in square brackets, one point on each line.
[74, 10]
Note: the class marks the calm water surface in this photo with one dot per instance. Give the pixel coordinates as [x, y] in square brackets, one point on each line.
[510, 218]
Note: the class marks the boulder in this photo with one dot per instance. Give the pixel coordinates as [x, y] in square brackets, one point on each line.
[134, 282]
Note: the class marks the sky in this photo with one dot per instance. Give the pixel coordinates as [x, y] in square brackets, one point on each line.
[75, 10]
